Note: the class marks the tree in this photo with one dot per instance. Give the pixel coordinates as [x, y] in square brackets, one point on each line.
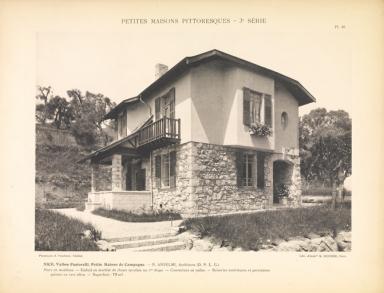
[60, 112]
[325, 147]
[41, 109]
[89, 110]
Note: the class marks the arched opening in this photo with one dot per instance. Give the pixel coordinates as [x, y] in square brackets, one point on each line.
[282, 180]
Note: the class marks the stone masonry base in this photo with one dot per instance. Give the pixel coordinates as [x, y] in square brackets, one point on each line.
[206, 181]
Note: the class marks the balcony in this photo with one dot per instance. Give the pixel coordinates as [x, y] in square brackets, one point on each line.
[158, 134]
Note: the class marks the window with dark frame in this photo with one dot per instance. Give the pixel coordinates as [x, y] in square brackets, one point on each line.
[165, 170]
[245, 169]
[165, 105]
[245, 165]
[254, 105]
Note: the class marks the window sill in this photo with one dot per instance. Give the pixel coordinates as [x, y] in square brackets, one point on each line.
[252, 188]
[165, 188]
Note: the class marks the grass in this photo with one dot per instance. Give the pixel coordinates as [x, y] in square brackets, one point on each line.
[56, 232]
[136, 217]
[250, 231]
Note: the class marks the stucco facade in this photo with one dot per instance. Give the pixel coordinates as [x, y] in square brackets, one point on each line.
[199, 172]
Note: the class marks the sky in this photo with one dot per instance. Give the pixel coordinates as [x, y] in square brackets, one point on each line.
[121, 64]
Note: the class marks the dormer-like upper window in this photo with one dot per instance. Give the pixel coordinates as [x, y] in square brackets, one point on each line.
[257, 108]
[165, 105]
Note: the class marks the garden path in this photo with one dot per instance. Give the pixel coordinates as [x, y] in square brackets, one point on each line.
[117, 229]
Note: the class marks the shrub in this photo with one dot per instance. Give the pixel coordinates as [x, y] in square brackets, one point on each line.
[125, 216]
[249, 231]
[56, 232]
[58, 204]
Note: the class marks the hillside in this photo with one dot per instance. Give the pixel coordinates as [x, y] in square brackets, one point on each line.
[59, 179]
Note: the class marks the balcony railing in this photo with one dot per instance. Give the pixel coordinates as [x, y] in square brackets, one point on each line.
[165, 130]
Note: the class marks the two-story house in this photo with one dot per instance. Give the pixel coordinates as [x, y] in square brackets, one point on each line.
[213, 134]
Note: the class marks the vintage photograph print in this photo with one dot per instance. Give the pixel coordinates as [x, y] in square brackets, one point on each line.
[142, 146]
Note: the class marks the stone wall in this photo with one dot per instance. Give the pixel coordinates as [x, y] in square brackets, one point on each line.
[215, 182]
[178, 198]
[206, 181]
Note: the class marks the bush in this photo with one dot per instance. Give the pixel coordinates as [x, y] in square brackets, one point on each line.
[325, 191]
[60, 205]
[249, 231]
[120, 215]
[56, 232]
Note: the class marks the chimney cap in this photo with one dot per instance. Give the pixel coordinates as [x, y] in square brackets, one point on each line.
[160, 69]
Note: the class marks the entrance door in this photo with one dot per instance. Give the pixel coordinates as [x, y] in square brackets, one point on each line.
[128, 177]
[140, 179]
[282, 178]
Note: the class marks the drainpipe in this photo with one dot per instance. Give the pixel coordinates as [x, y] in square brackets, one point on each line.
[149, 107]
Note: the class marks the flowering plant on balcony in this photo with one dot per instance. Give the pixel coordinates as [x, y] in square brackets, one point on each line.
[259, 129]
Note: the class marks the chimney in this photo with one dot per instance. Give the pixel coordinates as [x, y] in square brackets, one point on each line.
[160, 69]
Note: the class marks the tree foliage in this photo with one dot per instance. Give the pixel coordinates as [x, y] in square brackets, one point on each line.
[81, 114]
[326, 146]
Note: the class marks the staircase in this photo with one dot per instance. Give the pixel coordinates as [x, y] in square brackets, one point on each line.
[156, 242]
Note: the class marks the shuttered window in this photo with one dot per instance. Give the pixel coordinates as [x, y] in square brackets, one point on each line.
[165, 105]
[245, 169]
[158, 171]
[268, 110]
[165, 170]
[260, 170]
[257, 108]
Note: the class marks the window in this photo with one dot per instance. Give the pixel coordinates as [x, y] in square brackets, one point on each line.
[284, 120]
[165, 105]
[245, 169]
[257, 108]
[250, 169]
[165, 169]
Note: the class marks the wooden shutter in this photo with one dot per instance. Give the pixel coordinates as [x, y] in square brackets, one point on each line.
[157, 108]
[158, 171]
[246, 107]
[240, 168]
[172, 103]
[260, 170]
[268, 110]
[172, 169]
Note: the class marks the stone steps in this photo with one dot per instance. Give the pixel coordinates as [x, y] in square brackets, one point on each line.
[174, 246]
[150, 242]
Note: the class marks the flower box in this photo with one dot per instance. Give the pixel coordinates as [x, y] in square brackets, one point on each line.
[259, 129]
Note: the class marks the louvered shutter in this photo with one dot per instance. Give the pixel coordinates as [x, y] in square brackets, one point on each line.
[157, 108]
[246, 107]
[239, 168]
[268, 110]
[158, 171]
[260, 170]
[172, 169]
[172, 103]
